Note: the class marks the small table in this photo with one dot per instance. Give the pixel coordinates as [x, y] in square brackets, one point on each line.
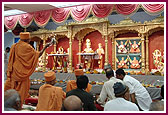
[87, 56]
[58, 56]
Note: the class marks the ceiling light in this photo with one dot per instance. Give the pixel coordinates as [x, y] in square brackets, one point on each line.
[62, 4]
[13, 12]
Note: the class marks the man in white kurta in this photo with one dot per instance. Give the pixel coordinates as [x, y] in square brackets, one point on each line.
[107, 92]
[141, 94]
[120, 103]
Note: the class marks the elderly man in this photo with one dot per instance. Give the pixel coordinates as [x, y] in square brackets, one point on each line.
[72, 83]
[22, 63]
[121, 102]
[50, 97]
[107, 92]
[137, 91]
[86, 98]
[12, 100]
[72, 103]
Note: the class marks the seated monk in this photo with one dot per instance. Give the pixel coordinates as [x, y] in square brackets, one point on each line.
[134, 48]
[72, 83]
[50, 97]
[122, 47]
[135, 64]
[123, 63]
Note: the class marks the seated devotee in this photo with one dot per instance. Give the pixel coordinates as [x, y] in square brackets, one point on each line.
[134, 48]
[161, 94]
[12, 101]
[50, 97]
[157, 106]
[137, 91]
[134, 63]
[121, 102]
[72, 103]
[107, 92]
[123, 63]
[72, 83]
[100, 52]
[121, 47]
[86, 98]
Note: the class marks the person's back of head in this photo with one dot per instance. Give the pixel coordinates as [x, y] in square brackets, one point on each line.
[50, 77]
[82, 82]
[12, 99]
[108, 66]
[120, 73]
[120, 90]
[109, 73]
[7, 49]
[72, 103]
[157, 106]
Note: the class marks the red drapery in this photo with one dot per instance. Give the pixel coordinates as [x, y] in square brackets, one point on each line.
[102, 10]
[153, 8]
[79, 13]
[42, 17]
[60, 14]
[25, 19]
[126, 9]
[11, 22]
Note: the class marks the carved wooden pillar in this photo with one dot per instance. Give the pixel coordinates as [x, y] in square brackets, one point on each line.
[70, 47]
[113, 52]
[44, 54]
[143, 53]
[147, 55]
[80, 50]
[106, 50]
[55, 50]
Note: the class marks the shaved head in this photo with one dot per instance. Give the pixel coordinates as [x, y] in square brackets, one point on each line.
[72, 103]
[12, 99]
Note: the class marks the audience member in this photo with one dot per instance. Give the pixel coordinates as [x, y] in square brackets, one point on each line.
[121, 102]
[50, 97]
[22, 63]
[157, 106]
[12, 100]
[72, 103]
[107, 92]
[161, 94]
[72, 83]
[86, 98]
[7, 50]
[137, 91]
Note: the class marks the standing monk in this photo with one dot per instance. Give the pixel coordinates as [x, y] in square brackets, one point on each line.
[22, 63]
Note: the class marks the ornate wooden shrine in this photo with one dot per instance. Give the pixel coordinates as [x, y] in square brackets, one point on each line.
[109, 32]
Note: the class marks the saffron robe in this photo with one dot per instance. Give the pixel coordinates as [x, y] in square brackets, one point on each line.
[50, 98]
[22, 63]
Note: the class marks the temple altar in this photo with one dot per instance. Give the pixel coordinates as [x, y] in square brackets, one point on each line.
[135, 50]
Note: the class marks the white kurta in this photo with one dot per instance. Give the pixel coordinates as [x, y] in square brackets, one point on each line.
[120, 104]
[141, 94]
[107, 91]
